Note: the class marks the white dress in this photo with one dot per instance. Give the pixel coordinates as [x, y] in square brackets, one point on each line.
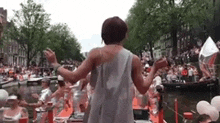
[112, 98]
[12, 119]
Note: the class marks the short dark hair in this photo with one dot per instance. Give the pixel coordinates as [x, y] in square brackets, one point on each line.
[113, 30]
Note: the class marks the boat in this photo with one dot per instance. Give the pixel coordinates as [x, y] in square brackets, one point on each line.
[205, 85]
[51, 77]
[5, 81]
[32, 81]
[141, 115]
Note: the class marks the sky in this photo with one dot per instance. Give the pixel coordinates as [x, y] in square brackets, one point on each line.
[84, 17]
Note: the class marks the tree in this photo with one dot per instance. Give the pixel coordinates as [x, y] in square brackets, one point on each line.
[29, 28]
[64, 43]
[150, 19]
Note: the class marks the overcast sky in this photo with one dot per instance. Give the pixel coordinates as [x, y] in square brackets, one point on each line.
[84, 17]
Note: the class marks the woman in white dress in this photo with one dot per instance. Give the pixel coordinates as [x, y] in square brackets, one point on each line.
[113, 72]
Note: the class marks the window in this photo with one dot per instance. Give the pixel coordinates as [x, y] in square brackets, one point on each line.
[10, 49]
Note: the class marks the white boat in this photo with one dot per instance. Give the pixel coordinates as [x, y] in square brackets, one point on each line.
[34, 80]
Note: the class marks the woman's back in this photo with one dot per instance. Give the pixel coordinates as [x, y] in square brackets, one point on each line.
[112, 99]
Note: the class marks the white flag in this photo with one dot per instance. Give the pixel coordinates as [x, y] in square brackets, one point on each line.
[208, 48]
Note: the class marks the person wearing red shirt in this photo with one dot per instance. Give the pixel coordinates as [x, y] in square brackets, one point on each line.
[184, 74]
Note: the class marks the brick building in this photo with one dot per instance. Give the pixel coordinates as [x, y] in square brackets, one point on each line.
[11, 53]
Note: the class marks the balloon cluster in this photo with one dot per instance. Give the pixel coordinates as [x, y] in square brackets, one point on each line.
[204, 107]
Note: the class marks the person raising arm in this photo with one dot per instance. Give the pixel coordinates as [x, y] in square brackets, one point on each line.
[113, 70]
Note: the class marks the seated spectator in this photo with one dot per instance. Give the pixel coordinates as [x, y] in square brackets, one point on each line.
[14, 112]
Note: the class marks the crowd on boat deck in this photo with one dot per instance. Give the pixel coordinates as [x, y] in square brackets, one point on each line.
[77, 96]
[61, 98]
[23, 73]
[178, 73]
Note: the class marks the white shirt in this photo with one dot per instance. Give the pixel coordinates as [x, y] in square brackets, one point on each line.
[169, 77]
[45, 97]
[190, 72]
[157, 80]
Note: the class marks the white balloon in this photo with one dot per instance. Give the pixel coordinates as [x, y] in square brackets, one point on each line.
[3, 97]
[202, 106]
[216, 102]
[212, 112]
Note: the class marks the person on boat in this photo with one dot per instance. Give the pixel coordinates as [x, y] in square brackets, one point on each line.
[14, 112]
[145, 70]
[184, 74]
[142, 99]
[180, 69]
[113, 70]
[43, 99]
[206, 74]
[195, 74]
[173, 75]
[169, 76]
[80, 96]
[153, 94]
[58, 96]
[190, 74]
[204, 118]
[11, 73]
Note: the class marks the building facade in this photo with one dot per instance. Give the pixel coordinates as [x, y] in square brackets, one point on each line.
[11, 53]
[163, 47]
[3, 20]
[184, 40]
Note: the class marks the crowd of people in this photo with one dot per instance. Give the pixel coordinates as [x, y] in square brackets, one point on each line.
[77, 96]
[64, 97]
[176, 73]
[20, 73]
[115, 77]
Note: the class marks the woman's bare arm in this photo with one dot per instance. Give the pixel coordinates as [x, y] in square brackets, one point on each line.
[141, 84]
[55, 93]
[83, 69]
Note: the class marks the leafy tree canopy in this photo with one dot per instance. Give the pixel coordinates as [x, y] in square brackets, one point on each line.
[150, 19]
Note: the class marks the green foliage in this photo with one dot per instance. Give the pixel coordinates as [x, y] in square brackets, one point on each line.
[31, 28]
[150, 19]
[64, 43]
[28, 27]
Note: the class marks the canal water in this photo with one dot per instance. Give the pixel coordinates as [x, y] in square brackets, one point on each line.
[186, 100]
[186, 103]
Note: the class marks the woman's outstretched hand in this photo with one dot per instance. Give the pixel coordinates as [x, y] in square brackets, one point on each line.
[51, 57]
[162, 62]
